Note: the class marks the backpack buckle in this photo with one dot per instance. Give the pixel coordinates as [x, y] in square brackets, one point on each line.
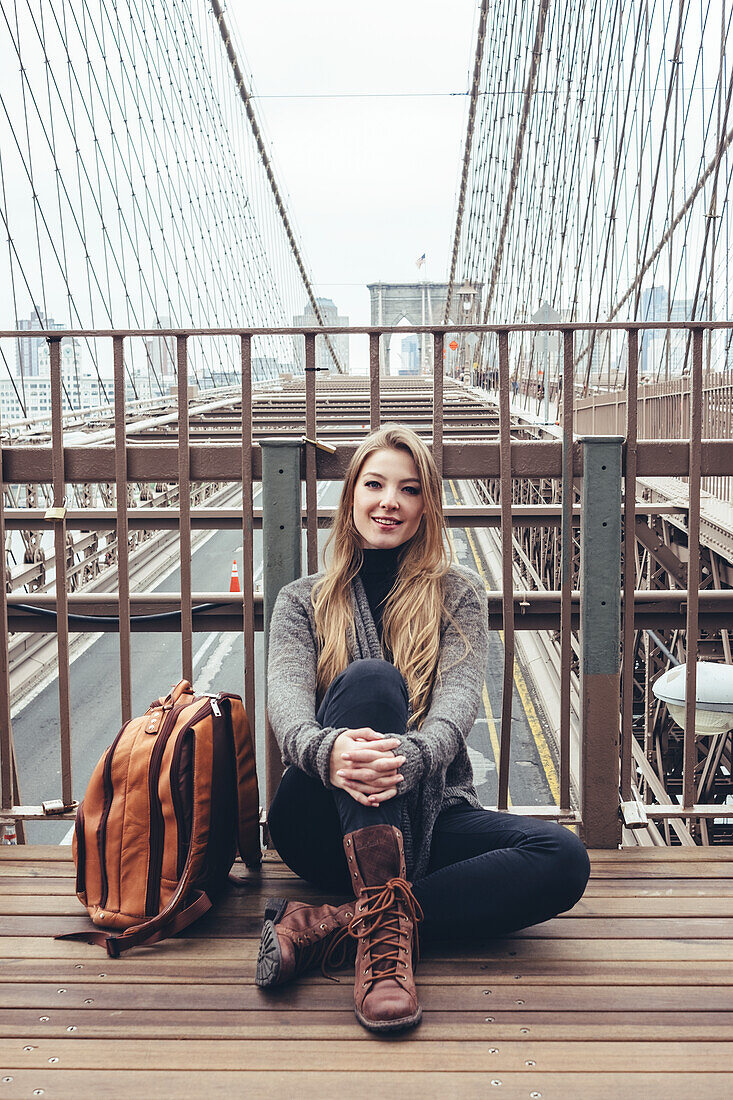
[113, 947]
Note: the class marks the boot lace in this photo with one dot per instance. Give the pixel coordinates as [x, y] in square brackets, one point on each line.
[332, 953]
[380, 924]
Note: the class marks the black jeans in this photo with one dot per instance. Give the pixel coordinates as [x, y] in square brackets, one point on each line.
[489, 873]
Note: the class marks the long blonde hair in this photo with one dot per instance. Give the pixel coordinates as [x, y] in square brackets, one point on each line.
[414, 607]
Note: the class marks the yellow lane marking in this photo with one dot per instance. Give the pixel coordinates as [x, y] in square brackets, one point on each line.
[548, 764]
[543, 749]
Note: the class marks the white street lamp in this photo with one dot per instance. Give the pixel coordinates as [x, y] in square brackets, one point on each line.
[714, 696]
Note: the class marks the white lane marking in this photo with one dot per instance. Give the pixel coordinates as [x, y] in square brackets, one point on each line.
[480, 765]
[52, 676]
[206, 645]
[215, 661]
[69, 836]
[212, 637]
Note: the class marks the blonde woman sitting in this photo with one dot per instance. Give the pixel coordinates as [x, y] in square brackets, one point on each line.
[375, 674]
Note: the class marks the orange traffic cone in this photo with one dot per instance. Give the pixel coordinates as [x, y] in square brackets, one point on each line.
[234, 582]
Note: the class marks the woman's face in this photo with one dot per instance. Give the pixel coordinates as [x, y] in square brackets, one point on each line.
[388, 499]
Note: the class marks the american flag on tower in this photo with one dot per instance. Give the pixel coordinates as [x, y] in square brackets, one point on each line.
[420, 260]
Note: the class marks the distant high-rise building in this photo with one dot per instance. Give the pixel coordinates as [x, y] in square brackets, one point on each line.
[29, 346]
[659, 356]
[71, 358]
[331, 318]
[161, 357]
[410, 354]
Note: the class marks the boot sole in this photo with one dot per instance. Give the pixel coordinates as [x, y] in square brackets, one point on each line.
[269, 958]
[401, 1024]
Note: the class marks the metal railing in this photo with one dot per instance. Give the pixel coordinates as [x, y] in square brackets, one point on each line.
[663, 411]
[606, 609]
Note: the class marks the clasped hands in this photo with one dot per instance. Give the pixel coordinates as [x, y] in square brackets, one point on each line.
[363, 762]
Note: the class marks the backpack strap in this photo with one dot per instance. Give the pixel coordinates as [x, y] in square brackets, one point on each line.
[142, 935]
[248, 816]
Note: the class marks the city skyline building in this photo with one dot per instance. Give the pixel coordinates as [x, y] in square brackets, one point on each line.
[331, 318]
[29, 348]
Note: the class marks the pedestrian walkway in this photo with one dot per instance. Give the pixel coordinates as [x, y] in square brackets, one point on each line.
[618, 998]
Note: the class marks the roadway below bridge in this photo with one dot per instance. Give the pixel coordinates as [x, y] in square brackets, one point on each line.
[219, 666]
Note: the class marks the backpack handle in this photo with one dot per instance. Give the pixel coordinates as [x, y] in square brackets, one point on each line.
[183, 687]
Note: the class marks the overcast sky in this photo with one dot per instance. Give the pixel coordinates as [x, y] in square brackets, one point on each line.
[371, 181]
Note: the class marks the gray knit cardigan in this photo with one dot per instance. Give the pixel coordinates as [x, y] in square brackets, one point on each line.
[437, 772]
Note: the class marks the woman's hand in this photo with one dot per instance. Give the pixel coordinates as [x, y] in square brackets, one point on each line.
[363, 763]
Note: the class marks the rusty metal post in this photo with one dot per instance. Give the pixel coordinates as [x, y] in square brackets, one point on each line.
[281, 554]
[59, 537]
[600, 639]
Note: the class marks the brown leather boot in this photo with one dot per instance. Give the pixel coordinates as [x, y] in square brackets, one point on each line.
[385, 998]
[296, 936]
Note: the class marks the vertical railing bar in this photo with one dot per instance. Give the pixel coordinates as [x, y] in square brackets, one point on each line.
[693, 568]
[248, 536]
[600, 639]
[566, 568]
[6, 728]
[282, 537]
[184, 505]
[123, 557]
[507, 580]
[374, 413]
[629, 575]
[438, 341]
[311, 485]
[59, 532]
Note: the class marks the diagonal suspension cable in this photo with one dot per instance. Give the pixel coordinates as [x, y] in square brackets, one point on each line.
[478, 62]
[267, 164]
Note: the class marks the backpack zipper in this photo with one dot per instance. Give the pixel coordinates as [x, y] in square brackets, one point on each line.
[156, 811]
[152, 893]
[184, 835]
[102, 829]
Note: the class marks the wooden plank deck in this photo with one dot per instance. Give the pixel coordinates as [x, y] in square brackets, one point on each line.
[629, 995]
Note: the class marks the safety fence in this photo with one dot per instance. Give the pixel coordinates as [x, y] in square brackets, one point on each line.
[604, 609]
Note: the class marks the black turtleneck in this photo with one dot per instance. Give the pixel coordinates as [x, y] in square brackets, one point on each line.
[377, 573]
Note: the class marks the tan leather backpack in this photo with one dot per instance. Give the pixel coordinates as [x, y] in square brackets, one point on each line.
[167, 807]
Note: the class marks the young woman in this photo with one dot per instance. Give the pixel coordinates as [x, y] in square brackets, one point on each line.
[375, 674]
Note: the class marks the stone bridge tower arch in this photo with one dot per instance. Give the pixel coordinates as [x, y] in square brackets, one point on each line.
[421, 303]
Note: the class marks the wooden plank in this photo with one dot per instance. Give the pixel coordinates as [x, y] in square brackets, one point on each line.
[237, 908]
[649, 855]
[154, 1084]
[36, 853]
[44, 853]
[332, 996]
[667, 869]
[148, 968]
[241, 950]
[408, 1056]
[653, 907]
[249, 926]
[18, 886]
[436, 1026]
[659, 887]
[15, 883]
[37, 870]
